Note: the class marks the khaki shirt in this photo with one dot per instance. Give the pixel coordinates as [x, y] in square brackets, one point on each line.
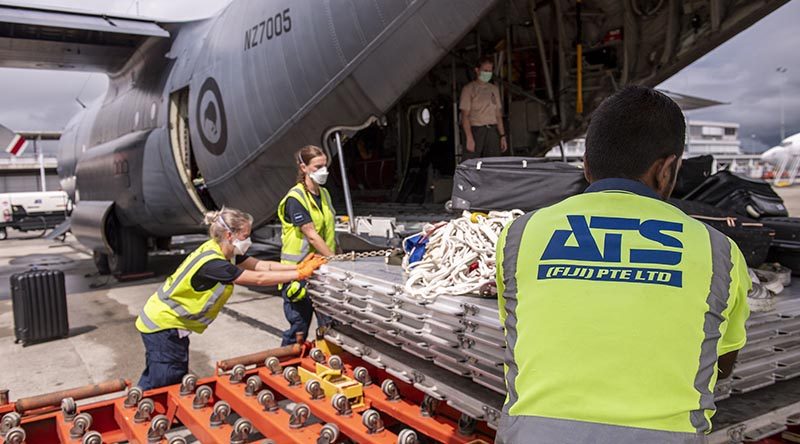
[481, 103]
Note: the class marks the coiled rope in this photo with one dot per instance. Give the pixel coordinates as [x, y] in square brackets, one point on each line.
[459, 257]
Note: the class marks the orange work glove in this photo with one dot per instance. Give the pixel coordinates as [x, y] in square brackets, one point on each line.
[306, 268]
[310, 257]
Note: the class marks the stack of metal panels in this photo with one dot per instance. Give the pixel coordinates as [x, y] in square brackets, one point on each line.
[772, 352]
[459, 333]
[463, 334]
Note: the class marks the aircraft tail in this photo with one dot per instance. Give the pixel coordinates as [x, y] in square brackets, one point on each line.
[12, 142]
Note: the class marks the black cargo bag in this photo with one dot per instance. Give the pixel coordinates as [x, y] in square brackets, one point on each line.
[694, 171]
[753, 238]
[786, 253]
[507, 183]
[787, 229]
[39, 302]
[747, 197]
[786, 245]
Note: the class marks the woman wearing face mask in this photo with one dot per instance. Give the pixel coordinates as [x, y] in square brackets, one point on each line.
[192, 297]
[307, 220]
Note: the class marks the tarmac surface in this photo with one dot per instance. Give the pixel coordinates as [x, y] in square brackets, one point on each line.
[791, 198]
[103, 343]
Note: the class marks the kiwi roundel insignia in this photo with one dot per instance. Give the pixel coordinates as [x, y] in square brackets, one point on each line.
[212, 124]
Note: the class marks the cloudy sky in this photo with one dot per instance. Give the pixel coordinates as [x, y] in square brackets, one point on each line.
[741, 72]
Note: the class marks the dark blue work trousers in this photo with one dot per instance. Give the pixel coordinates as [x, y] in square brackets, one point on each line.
[298, 314]
[166, 359]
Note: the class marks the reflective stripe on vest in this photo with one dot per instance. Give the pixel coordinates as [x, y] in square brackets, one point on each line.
[147, 321]
[201, 315]
[295, 246]
[287, 257]
[537, 430]
[510, 256]
[717, 301]
[169, 289]
[304, 249]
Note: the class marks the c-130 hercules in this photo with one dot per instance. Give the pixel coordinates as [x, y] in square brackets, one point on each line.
[206, 113]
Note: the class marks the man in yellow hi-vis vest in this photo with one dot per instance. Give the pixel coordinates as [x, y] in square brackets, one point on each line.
[192, 297]
[620, 311]
[307, 226]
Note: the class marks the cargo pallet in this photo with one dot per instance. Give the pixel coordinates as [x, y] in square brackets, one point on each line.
[309, 393]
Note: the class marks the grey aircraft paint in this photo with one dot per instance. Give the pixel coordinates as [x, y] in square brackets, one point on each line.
[265, 78]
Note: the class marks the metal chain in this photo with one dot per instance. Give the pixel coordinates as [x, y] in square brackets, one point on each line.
[351, 256]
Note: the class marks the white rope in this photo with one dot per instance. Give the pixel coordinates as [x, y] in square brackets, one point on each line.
[459, 257]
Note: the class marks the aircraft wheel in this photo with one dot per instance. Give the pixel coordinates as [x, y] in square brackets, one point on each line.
[101, 263]
[130, 252]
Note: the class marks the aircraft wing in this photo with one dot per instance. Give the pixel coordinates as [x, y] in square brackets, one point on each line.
[70, 40]
[689, 103]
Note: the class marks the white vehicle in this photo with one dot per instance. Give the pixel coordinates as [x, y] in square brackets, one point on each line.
[786, 160]
[32, 211]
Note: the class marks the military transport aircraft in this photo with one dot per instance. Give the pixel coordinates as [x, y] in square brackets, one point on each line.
[206, 113]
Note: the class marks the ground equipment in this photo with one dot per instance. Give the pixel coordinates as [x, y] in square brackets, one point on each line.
[314, 393]
[32, 211]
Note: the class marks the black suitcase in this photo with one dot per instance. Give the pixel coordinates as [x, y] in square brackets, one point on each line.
[507, 183]
[39, 302]
[746, 197]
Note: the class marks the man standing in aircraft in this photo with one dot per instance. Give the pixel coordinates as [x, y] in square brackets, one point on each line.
[620, 311]
[482, 114]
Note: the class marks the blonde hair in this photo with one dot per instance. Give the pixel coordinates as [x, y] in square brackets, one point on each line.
[303, 156]
[219, 222]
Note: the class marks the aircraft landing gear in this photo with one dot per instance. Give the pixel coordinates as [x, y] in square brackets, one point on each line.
[130, 252]
[101, 263]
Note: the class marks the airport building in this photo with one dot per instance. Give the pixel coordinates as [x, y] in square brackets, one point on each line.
[24, 174]
[702, 137]
[35, 168]
[708, 137]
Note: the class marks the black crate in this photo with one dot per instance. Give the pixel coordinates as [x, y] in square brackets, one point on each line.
[39, 301]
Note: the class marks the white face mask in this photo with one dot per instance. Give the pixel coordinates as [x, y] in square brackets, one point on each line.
[320, 176]
[240, 247]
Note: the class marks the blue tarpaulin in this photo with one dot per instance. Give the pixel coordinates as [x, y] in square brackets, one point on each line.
[414, 247]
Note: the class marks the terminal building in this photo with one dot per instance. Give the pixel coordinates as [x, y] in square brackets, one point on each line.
[35, 169]
[715, 138]
[702, 137]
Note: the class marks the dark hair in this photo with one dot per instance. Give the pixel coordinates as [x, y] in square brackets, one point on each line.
[630, 131]
[484, 59]
[303, 157]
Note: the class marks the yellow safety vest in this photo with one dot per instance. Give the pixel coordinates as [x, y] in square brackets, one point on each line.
[295, 245]
[177, 304]
[616, 307]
